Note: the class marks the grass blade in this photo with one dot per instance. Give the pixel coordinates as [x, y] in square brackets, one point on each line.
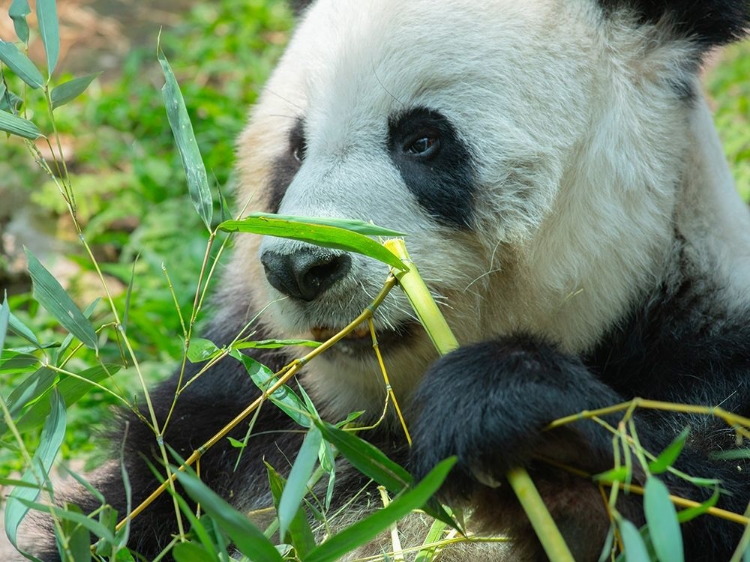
[49, 444]
[50, 294]
[70, 90]
[20, 64]
[184, 137]
[46, 13]
[315, 233]
[18, 11]
[18, 126]
[663, 525]
[248, 539]
[296, 486]
[368, 528]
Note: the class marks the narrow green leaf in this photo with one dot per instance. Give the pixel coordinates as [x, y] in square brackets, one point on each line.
[732, 455]
[661, 516]
[301, 534]
[78, 537]
[284, 397]
[275, 344]
[692, 512]
[20, 64]
[669, 455]
[248, 539]
[69, 338]
[16, 363]
[31, 388]
[634, 547]
[367, 458]
[4, 320]
[18, 11]
[79, 518]
[184, 137]
[368, 528]
[20, 329]
[352, 225]
[71, 89]
[9, 102]
[50, 294]
[191, 552]
[71, 389]
[433, 535]
[18, 126]
[19, 483]
[319, 234]
[46, 13]
[619, 474]
[201, 350]
[296, 485]
[49, 445]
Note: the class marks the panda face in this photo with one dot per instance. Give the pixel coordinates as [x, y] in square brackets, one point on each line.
[478, 128]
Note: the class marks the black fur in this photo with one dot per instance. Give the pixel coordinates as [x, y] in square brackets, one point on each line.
[442, 182]
[678, 345]
[286, 166]
[708, 23]
[299, 6]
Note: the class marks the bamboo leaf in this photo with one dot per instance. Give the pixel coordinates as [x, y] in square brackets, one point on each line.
[367, 458]
[68, 515]
[184, 137]
[20, 64]
[78, 536]
[275, 344]
[692, 512]
[18, 11]
[30, 389]
[18, 126]
[634, 547]
[49, 445]
[201, 350]
[46, 13]
[191, 552]
[284, 397]
[301, 534]
[314, 233]
[669, 455]
[352, 225]
[71, 389]
[70, 90]
[248, 539]
[20, 329]
[50, 294]
[296, 485]
[4, 320]
[661, 516]
[69, 338]
[368, 528]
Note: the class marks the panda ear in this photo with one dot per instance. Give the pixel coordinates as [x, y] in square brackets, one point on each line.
[299, 6]
[708, 23]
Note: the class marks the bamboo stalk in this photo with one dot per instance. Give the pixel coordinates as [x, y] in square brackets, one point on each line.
[442, 337]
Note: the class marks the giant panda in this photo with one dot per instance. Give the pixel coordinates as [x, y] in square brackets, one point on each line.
[566, 198]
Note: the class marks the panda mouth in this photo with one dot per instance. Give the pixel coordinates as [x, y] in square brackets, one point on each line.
[360, 339]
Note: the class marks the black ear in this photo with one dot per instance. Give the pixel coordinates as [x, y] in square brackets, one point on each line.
[708, 23]
[299, 6]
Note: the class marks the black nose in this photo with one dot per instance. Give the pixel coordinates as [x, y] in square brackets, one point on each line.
[305, 273]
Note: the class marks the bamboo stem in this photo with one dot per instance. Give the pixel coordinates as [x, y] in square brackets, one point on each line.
[442, 337]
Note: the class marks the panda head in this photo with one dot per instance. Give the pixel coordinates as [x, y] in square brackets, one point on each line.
[532, 151]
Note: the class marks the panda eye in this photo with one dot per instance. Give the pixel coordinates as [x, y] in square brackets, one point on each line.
[297, 143]
[423, 146]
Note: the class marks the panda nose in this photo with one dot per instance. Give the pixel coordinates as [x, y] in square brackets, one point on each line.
[306, 273]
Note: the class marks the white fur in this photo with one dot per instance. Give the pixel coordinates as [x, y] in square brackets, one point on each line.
[587, 163]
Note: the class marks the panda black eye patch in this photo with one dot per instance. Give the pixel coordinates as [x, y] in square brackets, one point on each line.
[435, 164]
[287, 164]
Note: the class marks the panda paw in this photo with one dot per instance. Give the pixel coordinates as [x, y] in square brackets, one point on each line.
[488, 405]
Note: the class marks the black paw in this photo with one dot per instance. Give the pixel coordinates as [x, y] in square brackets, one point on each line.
[489, 403]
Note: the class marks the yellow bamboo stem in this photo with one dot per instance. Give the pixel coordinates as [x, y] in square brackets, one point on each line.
[442, 337]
